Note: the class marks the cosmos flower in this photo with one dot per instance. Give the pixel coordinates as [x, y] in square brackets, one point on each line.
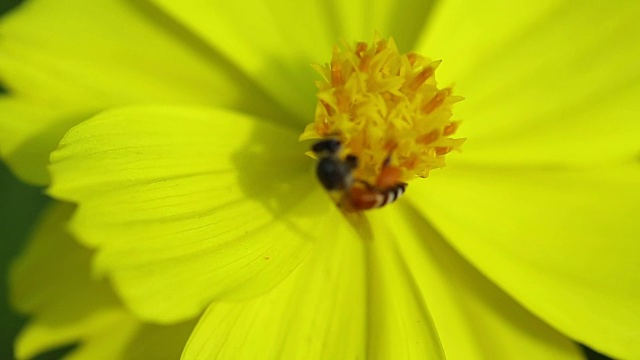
[195, 193]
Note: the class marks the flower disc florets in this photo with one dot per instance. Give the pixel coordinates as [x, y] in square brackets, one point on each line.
[386, 109]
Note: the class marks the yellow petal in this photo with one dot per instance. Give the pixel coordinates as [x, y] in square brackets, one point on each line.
[550, 82]
[474, 319]
[319, 312]
[274, 42]
[562, 243]
[400, 325]
[210, 202]
[403, 20]
[51, 282]
[76, 58]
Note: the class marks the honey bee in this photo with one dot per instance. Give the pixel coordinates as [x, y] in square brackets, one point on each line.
[336, 174]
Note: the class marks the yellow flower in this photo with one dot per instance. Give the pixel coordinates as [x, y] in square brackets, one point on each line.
[195, 193]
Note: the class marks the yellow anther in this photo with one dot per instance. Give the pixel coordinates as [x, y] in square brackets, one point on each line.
[386, 109]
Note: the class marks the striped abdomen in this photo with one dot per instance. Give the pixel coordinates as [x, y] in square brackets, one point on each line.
[363, 198]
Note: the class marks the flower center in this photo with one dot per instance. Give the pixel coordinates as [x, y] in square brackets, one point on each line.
[386, 110]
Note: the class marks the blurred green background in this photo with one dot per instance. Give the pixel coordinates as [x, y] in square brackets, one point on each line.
[20, 206]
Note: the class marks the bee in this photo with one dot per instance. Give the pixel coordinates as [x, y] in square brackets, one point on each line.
[336, 174]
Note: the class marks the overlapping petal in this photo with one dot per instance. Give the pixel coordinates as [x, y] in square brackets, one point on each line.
[65, 61]
[319, 312]
[474, 319]
[210, 202]
[275, 41]
[400, 325]
[350, 299]
[546, 83]
[51, 282]
[563, 243]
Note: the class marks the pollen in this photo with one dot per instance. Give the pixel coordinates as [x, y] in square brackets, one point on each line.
[386, 109]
